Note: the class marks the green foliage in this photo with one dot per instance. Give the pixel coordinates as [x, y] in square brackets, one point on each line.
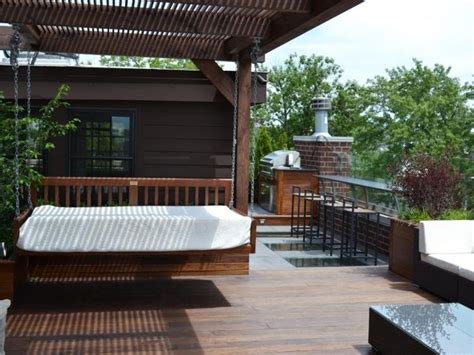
[415, 110]
[291, 88]
[349, 103]
[141, 62]
[35, 137]
[263, 146]
[428, 183]
[407, 111]
[457, 214]
[416, 216]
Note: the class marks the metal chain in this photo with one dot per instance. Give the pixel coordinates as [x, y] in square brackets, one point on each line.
[234, 132]
[254, 121]
[28, 114]
[15, 44]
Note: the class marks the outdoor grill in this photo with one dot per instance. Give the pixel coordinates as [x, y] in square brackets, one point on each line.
[289, 158]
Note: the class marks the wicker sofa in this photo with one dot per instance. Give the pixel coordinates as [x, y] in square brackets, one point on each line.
[445, 260]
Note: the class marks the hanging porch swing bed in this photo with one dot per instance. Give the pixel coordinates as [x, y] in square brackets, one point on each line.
[52, 229]
[129, 241]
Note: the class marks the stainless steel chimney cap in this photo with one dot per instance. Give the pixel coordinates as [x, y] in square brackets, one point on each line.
[321, 104]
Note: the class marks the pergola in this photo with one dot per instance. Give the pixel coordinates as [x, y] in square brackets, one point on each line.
[201, 30]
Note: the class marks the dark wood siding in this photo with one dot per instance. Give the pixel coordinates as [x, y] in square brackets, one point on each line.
[182, 124]
[171, 139]
[183, 140]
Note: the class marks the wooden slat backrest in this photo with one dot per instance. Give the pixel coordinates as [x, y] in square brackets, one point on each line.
[78, 196]
[196, 195]
[146, 195]
[167, 196]
[136, 191]
[89, 196]
[68, 196]
[98, 190]
[176, 195]
[186, 196]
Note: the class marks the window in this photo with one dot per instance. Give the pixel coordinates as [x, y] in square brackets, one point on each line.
[102, 145]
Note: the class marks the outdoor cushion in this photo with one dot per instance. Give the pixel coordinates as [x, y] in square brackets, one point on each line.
[448, 262]
[446, 237]
[466, 268]
[133, 229]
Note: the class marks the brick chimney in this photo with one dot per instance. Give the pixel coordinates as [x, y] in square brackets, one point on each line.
[321, 151]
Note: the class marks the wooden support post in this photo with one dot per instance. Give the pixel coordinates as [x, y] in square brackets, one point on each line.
[243, 136]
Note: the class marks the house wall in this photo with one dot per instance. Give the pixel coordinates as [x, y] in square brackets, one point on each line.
[182, 124]
[170, 139]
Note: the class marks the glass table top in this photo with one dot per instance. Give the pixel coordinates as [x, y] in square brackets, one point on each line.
[446, 328]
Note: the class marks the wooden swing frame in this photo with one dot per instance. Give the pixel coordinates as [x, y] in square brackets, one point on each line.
[87, 266]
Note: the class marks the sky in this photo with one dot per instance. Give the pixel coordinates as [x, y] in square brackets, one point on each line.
[381, 34]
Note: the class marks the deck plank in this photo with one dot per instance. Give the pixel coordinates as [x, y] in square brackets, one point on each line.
[316, 310]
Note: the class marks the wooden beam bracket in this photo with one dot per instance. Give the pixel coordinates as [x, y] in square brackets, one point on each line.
[214, 73]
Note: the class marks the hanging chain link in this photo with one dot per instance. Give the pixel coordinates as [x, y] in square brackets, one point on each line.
[28, 115]
[234, 132]
[254, 122]
[15, 44]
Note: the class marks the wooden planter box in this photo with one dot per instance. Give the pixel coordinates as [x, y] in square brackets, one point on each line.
[7, 269]
[403, 236]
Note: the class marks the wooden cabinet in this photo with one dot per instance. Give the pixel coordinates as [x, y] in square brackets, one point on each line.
[282, 184]
[403, 236]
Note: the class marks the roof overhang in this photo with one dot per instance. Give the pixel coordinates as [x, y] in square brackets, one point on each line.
[195, 29]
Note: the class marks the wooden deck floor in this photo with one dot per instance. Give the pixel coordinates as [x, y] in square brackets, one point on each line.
[322, 310]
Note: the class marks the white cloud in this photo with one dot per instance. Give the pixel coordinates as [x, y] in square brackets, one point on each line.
[380, 34]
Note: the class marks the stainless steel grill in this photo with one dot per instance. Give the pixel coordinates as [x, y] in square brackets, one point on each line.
[279, 158]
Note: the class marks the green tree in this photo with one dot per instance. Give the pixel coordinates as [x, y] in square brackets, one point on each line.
[291, 87]
[349, 103]
[407, 111]
[141, 62]
[415, 110]
[35, 137]
[263, 146]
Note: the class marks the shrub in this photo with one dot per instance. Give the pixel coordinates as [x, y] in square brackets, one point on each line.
[429, 184]
[416, 216]
[35, 137]
[457, 214]
[413, 215]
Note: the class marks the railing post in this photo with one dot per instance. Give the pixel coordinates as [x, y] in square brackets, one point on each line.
[133, 193]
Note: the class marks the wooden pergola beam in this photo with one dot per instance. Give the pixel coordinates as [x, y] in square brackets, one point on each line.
[284, 29]
[189, 20]
[214, 73]
[202, 29]
[5, 35]
[132, 44]
[272, 5]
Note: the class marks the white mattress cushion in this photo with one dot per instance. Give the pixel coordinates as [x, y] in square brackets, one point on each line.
[466, 268]
[134, 229]
[448, 262]
[446, 237]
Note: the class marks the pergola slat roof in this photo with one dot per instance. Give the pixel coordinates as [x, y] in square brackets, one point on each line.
[196, 29]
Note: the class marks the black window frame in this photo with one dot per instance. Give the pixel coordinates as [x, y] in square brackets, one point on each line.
[74, 112]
